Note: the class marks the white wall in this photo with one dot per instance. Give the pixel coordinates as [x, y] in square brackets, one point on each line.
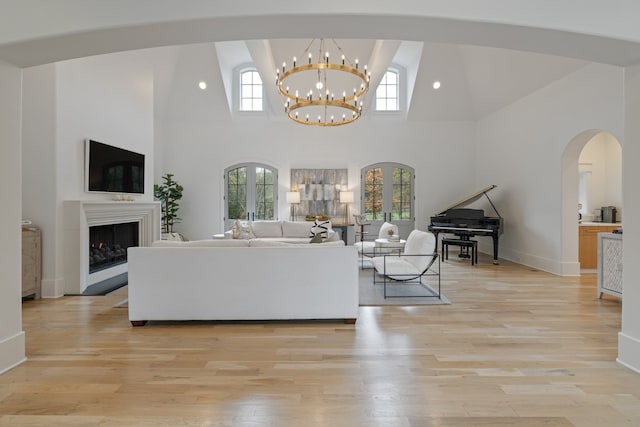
[107, 98]
[601, 158]
[520, 149]
[201, 139]
[39, 179]
[629, 337]
[12, 340]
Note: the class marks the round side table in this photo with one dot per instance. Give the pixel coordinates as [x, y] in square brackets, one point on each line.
[387, 246]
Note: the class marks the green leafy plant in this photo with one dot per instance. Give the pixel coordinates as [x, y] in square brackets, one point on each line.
[168, 193]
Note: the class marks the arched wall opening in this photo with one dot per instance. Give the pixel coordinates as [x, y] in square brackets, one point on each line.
[570, 198]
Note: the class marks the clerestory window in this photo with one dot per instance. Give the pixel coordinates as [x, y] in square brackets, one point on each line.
[387, 93]
[250, 90]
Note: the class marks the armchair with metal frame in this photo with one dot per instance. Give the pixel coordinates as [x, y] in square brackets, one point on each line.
[367, 248]
[419, 259]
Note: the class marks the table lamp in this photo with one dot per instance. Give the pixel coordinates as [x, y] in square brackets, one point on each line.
[293, 198]
[346, 197]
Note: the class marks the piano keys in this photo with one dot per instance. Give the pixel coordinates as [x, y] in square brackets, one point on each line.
[466, 223]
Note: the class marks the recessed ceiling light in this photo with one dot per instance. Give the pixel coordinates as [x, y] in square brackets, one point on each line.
[202, 85]
[436, 85]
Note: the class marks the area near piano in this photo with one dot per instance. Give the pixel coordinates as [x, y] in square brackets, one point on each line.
[466, 223]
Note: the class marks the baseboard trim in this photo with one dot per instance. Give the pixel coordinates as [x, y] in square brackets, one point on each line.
[12, 352]
[629, 352]
[52, 288]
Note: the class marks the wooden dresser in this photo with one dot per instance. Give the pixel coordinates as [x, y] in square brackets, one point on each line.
[31, 262]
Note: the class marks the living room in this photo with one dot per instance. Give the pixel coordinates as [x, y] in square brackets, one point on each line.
[192, 134]
[153, 97]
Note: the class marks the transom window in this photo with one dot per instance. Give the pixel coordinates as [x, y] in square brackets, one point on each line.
[387, 92]
[250, 91]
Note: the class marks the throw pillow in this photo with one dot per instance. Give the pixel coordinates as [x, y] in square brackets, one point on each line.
[321, 227]
[243, 230]
[236, 230]
[316, 238]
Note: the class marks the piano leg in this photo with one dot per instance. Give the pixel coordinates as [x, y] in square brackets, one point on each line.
[495, 250]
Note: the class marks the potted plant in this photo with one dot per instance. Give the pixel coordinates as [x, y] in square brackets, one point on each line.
[169, 194]
[392, 237]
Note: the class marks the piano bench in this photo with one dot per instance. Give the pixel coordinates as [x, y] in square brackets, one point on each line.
[467, 244]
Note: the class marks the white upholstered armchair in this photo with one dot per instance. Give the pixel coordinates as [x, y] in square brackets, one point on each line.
[367, 248]
[418, 260]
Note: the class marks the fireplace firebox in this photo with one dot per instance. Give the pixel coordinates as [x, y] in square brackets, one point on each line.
[108, 244]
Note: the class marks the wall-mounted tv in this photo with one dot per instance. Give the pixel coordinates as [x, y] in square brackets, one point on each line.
[113, 170]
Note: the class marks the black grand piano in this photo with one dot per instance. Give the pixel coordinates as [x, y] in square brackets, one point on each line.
[466, 223]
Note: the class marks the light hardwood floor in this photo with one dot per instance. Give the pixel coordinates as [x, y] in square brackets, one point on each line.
[516, 347]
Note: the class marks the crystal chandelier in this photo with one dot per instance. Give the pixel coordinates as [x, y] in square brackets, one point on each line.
[321, 92]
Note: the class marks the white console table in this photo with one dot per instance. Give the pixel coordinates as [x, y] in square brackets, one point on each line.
[610, 264]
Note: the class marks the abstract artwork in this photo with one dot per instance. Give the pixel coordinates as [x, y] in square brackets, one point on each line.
[319, 191]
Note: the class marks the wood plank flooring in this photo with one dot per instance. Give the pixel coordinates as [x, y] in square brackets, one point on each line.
[516, 347]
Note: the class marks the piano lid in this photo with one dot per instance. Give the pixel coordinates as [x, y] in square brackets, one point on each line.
[471, 199]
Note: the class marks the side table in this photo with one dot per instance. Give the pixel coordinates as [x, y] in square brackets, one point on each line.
[344, 230]
[386, 245]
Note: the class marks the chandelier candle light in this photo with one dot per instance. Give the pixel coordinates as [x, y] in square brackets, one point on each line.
[309, 90]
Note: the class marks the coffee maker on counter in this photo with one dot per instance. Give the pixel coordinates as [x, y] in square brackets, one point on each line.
[608, 214]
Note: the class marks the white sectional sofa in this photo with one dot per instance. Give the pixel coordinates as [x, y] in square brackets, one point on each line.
[283, 231]
[234, 279]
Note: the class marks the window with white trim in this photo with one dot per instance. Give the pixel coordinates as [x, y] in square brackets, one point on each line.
[387, 93]
[250, 90]
[250, 192]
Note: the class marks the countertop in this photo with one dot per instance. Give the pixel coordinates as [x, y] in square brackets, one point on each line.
[595, 223]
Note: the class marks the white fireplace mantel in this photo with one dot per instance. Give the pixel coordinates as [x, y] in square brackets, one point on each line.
[80, 215]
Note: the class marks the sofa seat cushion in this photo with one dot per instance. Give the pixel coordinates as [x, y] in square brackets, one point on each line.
[296, 240]
[266, 229]
[397, 268]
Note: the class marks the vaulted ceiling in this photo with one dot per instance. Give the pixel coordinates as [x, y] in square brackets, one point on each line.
[475, 81]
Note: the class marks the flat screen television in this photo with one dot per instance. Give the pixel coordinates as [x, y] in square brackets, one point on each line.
[113, 170]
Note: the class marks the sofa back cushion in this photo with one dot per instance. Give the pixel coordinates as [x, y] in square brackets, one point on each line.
[267, 228]
[216, 243]
[296, 228]
[258, 243]
[233, 243]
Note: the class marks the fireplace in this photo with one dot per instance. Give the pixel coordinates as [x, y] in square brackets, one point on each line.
[108, 244]
[80, 217]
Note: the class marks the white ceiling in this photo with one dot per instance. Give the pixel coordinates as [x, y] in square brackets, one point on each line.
[485, 56]
[475, 81]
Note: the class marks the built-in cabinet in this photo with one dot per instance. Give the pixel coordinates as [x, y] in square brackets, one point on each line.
[609, 264]
[588, 244]
[31, 262]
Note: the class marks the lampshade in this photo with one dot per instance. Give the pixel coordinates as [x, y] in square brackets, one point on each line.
[293, 197]
[346, 197]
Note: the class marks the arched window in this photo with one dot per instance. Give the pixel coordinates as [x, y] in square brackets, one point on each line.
[250, 90]
[250, 193]
[388, 196]
[387, 93]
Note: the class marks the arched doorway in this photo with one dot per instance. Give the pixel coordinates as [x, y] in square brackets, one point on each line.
[570, 197]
